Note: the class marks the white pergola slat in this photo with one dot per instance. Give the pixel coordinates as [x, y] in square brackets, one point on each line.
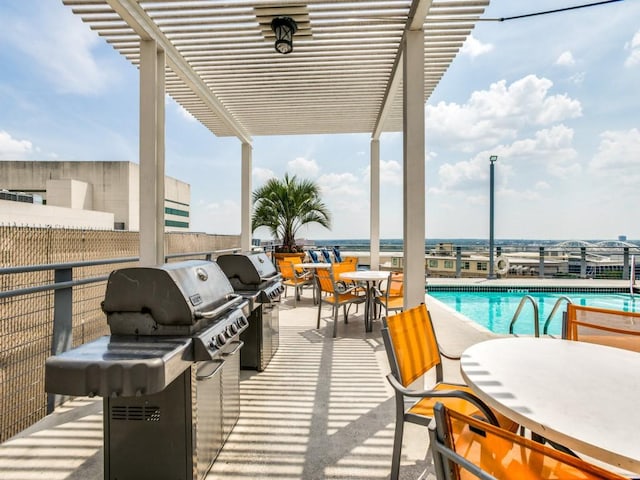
[342, 77]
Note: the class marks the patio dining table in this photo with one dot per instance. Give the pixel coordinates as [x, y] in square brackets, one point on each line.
[371, 278]
[581, 395]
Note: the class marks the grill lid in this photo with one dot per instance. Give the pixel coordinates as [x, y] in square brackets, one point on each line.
[247, 268]
[173, 294]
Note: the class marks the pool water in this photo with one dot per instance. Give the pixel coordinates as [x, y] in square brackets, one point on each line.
[495, 310]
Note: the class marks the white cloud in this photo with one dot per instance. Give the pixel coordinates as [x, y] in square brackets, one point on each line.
[474, 47]
[13, 149]
[634, 47]
[262, 175]
[495, 115]
[303, 168]
[390, 172]
[577, 78]
[61, 45]
[341, 184]
[220, 217]
[184, 113]
[552, 148]
[566, 59]
[618, 156]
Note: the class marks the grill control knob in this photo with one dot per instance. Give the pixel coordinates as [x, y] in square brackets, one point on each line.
[243, 322]
[232, 330]
[221, 339]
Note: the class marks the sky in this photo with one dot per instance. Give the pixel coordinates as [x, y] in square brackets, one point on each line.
[556, 97]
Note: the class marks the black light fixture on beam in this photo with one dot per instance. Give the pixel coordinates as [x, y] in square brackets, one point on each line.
[284, 28]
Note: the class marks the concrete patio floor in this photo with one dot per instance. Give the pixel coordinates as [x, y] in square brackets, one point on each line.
[321, 410]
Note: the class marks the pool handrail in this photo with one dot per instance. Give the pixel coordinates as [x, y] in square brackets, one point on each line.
[556, 305]
[536, 325]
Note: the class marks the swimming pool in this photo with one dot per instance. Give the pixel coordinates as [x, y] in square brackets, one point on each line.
[494, 310]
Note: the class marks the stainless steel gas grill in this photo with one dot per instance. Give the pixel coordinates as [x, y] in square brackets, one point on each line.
[169, 371]
[254, 276]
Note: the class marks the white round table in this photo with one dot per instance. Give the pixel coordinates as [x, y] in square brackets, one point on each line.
[371, 277]
[581, 395]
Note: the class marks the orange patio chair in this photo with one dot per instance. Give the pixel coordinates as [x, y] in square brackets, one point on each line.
[336, 293]
[614, 328]
[292, 278]
[467, 448]
[352, 260]
[392, 298]
[412, 350]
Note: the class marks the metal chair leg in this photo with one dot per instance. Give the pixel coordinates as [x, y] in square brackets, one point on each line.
[397, 449]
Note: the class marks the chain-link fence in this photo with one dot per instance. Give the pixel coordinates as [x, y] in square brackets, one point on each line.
[26, 321]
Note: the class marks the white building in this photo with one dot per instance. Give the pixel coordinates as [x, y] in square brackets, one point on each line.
[102, 195]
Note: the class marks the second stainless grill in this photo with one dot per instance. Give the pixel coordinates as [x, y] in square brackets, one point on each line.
[254, 276]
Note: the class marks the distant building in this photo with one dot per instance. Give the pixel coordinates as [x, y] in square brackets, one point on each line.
[83, 194]
[622, 238]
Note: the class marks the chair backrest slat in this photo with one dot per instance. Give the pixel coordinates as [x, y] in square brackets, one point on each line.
[325, 280]
[414, 343]
[395, 284]
[614, 328]
[286, 269]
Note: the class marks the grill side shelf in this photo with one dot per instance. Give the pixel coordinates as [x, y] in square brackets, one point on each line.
[115, 366]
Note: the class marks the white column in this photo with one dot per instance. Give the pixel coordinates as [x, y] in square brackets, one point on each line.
[245, 201]
[160, 159]
[374, 249]
[151, 243]
[414, 169]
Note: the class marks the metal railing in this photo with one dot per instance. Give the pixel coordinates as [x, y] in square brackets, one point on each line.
[541, 261]
[536, 324]
[556, 306]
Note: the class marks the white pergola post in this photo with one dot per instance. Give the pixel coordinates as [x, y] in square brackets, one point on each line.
[414, 169]
[374, 249]
[151, 154]
[245, 201]
[160, 158]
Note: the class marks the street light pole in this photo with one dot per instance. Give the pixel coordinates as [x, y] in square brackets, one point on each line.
[492, 161]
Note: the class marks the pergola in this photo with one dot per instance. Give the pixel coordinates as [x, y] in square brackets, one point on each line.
[357, 66]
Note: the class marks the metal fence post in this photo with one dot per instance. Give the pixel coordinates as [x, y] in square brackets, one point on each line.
[583, 262]
[625, 263]
[62, 337]
[541, 268]
[458, 261]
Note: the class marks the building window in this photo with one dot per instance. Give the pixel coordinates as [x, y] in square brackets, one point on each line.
[173, 223]
[433, 263]
[175, 211]
[448, 264]
[118, 226]
[465, 265]
[481, 266]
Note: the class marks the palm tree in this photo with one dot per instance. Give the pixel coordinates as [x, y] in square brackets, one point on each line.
[285, 205]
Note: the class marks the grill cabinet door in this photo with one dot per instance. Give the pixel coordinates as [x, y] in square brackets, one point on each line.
[209, 412]
[148, 437]
[231, 386]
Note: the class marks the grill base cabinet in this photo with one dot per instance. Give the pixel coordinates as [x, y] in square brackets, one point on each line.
[152, 436]
[261, 338]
